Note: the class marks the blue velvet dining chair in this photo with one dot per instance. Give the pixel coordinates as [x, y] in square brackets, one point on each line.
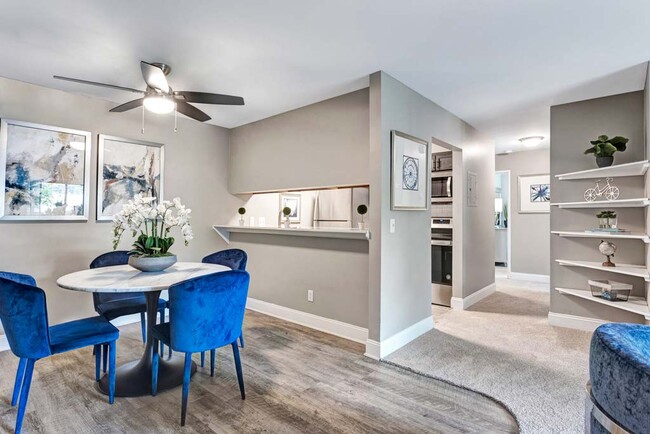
[236, 259]
[25, 279]
[23, 312]
[115, 305]
[205, 313]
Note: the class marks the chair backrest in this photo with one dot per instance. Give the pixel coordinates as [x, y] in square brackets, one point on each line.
[25, 279]
[23, 313]
[236, 259]
[208, 311]
[117, 257]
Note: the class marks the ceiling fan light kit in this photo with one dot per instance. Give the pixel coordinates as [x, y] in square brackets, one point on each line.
[159, 104]
[160, 98]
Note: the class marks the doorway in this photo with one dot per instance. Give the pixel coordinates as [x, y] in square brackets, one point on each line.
[502, 223]
[446, 222]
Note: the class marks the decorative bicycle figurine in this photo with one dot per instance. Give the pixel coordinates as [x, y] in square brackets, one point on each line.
[610, 191]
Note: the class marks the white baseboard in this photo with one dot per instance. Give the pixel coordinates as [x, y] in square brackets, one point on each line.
[465, 303]
[542, 278]
[327, 325]
[574, 322]
[372, 349]
[379, 350]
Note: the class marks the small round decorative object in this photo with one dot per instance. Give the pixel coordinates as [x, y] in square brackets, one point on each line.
[410, 173]
[152, 263]
[608, 249]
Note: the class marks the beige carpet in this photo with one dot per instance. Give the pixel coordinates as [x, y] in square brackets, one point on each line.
[503, 347]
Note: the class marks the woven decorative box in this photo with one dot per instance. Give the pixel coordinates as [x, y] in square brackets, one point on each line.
[610, 290]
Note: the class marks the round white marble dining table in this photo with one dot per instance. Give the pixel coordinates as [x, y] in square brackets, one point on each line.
[134, 378]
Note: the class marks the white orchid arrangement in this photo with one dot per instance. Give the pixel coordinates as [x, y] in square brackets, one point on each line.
[154, 222]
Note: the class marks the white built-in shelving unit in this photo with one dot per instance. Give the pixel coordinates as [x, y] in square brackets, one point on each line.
[636, 305]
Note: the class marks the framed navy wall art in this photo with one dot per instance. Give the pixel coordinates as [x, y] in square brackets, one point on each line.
[410, 172]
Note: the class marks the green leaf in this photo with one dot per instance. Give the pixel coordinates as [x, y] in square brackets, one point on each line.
[150, 242]
[606, 150]
[591, 150]
[594, 142]
[603, 138]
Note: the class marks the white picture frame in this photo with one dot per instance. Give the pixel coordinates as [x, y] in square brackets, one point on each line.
[115, 157]
[45, 171]
[534, 194]
[293, 201]
[410, 173]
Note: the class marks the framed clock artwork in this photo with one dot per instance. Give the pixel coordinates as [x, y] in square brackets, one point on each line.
[410, 158]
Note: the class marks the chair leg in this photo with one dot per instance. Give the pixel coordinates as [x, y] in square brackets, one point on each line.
[212, 357]
[105, 356]
[186, 386]
[202, 359]
[241, 339]
[24, 394]
[20, 373]
[162, 320]
[97, 350]
[111, 371]
[143, 326]
[240, 375]
[154, 369]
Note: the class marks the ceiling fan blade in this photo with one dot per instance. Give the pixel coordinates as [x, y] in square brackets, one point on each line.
[154, 77]
[211, 98]
[94, 83]
[191, 111]
[128, 105]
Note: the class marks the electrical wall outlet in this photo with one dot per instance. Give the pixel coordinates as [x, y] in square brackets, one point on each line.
[251, 221]
[310, 295]
[392, 226]
[261, 221]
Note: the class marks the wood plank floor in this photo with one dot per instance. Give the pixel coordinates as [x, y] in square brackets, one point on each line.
[297, 381]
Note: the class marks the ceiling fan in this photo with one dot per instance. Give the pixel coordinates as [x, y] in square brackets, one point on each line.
[159, 97]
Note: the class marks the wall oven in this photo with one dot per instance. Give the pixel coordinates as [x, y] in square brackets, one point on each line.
[441, 263]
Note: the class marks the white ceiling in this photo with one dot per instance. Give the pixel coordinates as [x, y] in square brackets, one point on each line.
[498, 64]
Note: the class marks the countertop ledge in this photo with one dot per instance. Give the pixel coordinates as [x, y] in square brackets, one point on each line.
[342, 233]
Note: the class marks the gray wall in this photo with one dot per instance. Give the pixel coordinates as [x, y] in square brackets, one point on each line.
[530, 233]
[285, 268]
[400, 267]
[572, 126]
[196, 169]
[320, 145]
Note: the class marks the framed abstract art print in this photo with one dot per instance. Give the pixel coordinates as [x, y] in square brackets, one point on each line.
[409, 172]
[46, 172]
[534, 194]
[127, 167]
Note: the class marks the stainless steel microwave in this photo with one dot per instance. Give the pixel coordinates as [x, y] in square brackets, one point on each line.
[441, 189]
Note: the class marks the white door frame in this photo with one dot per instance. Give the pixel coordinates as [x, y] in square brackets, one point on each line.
[509, 228]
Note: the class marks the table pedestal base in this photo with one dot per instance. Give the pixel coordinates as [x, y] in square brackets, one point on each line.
[134, 378]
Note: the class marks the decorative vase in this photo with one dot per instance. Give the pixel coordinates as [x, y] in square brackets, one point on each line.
[287, 224]
[603, 223]
[612, 223]
[241, 221]
[152, 263]
[605, 161]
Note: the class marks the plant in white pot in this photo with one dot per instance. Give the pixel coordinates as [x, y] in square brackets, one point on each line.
[150, 251]
[362, 210]
[286, 212]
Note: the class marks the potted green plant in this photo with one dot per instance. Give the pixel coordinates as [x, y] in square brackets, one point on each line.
[286, 212]
[241, 212]
[604, 148]
[607, 219]
[362, 210]
[150, 250]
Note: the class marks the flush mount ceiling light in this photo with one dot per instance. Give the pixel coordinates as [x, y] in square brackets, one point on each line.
[159, 104]
[532, 141]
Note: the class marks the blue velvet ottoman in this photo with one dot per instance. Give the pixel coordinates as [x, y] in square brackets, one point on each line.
[619, 371]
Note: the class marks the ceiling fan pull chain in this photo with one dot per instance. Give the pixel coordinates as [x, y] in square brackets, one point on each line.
[142, 130]
[175, 116]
